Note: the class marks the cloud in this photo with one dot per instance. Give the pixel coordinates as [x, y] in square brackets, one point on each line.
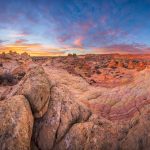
[34, 49]
[81, 25]
[19, 34]
[107, 36]
[86, 26]
[78, 42]
[134, 48]
[74, 33]
[20, 41]
[31, 53]
[38, 49]
[63, 38]
[3, 41]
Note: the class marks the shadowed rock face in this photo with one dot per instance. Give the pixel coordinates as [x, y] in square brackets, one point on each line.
[70, 113]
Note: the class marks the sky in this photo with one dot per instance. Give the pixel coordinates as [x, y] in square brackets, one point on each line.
[59, 27]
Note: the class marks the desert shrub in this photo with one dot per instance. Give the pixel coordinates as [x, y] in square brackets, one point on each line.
[96, 67]
[98, 72]
[69, 54]
[7, 79]
[74, 55]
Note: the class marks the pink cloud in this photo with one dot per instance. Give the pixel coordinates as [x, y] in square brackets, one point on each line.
[78, 42]
[20, 41]
[64, 38]
[108, 36]
[21, 34]
[112, 32]
[123, 48]
[85, 27]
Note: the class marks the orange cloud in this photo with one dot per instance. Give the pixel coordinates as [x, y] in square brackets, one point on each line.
[34, 49]
[31, 53]
[37, 49]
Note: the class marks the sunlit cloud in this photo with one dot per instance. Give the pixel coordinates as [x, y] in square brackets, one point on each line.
[31, 53]
[63, 38]
[122, 48]
[21, 34]
[38, 26]
[78, 42]
[35, 49]
[20, 41]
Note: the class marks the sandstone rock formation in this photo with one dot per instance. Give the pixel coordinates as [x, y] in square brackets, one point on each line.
[36, 88]
[62, 114]
[70, 113]
[16, 124]
[112, 64]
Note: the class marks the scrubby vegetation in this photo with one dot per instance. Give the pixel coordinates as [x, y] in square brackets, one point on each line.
[7, 79]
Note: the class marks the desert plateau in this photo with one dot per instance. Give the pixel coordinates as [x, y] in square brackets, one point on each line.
[74, 102]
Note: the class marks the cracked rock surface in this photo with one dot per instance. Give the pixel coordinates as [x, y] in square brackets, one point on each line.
[36, 88]
[62, 114]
